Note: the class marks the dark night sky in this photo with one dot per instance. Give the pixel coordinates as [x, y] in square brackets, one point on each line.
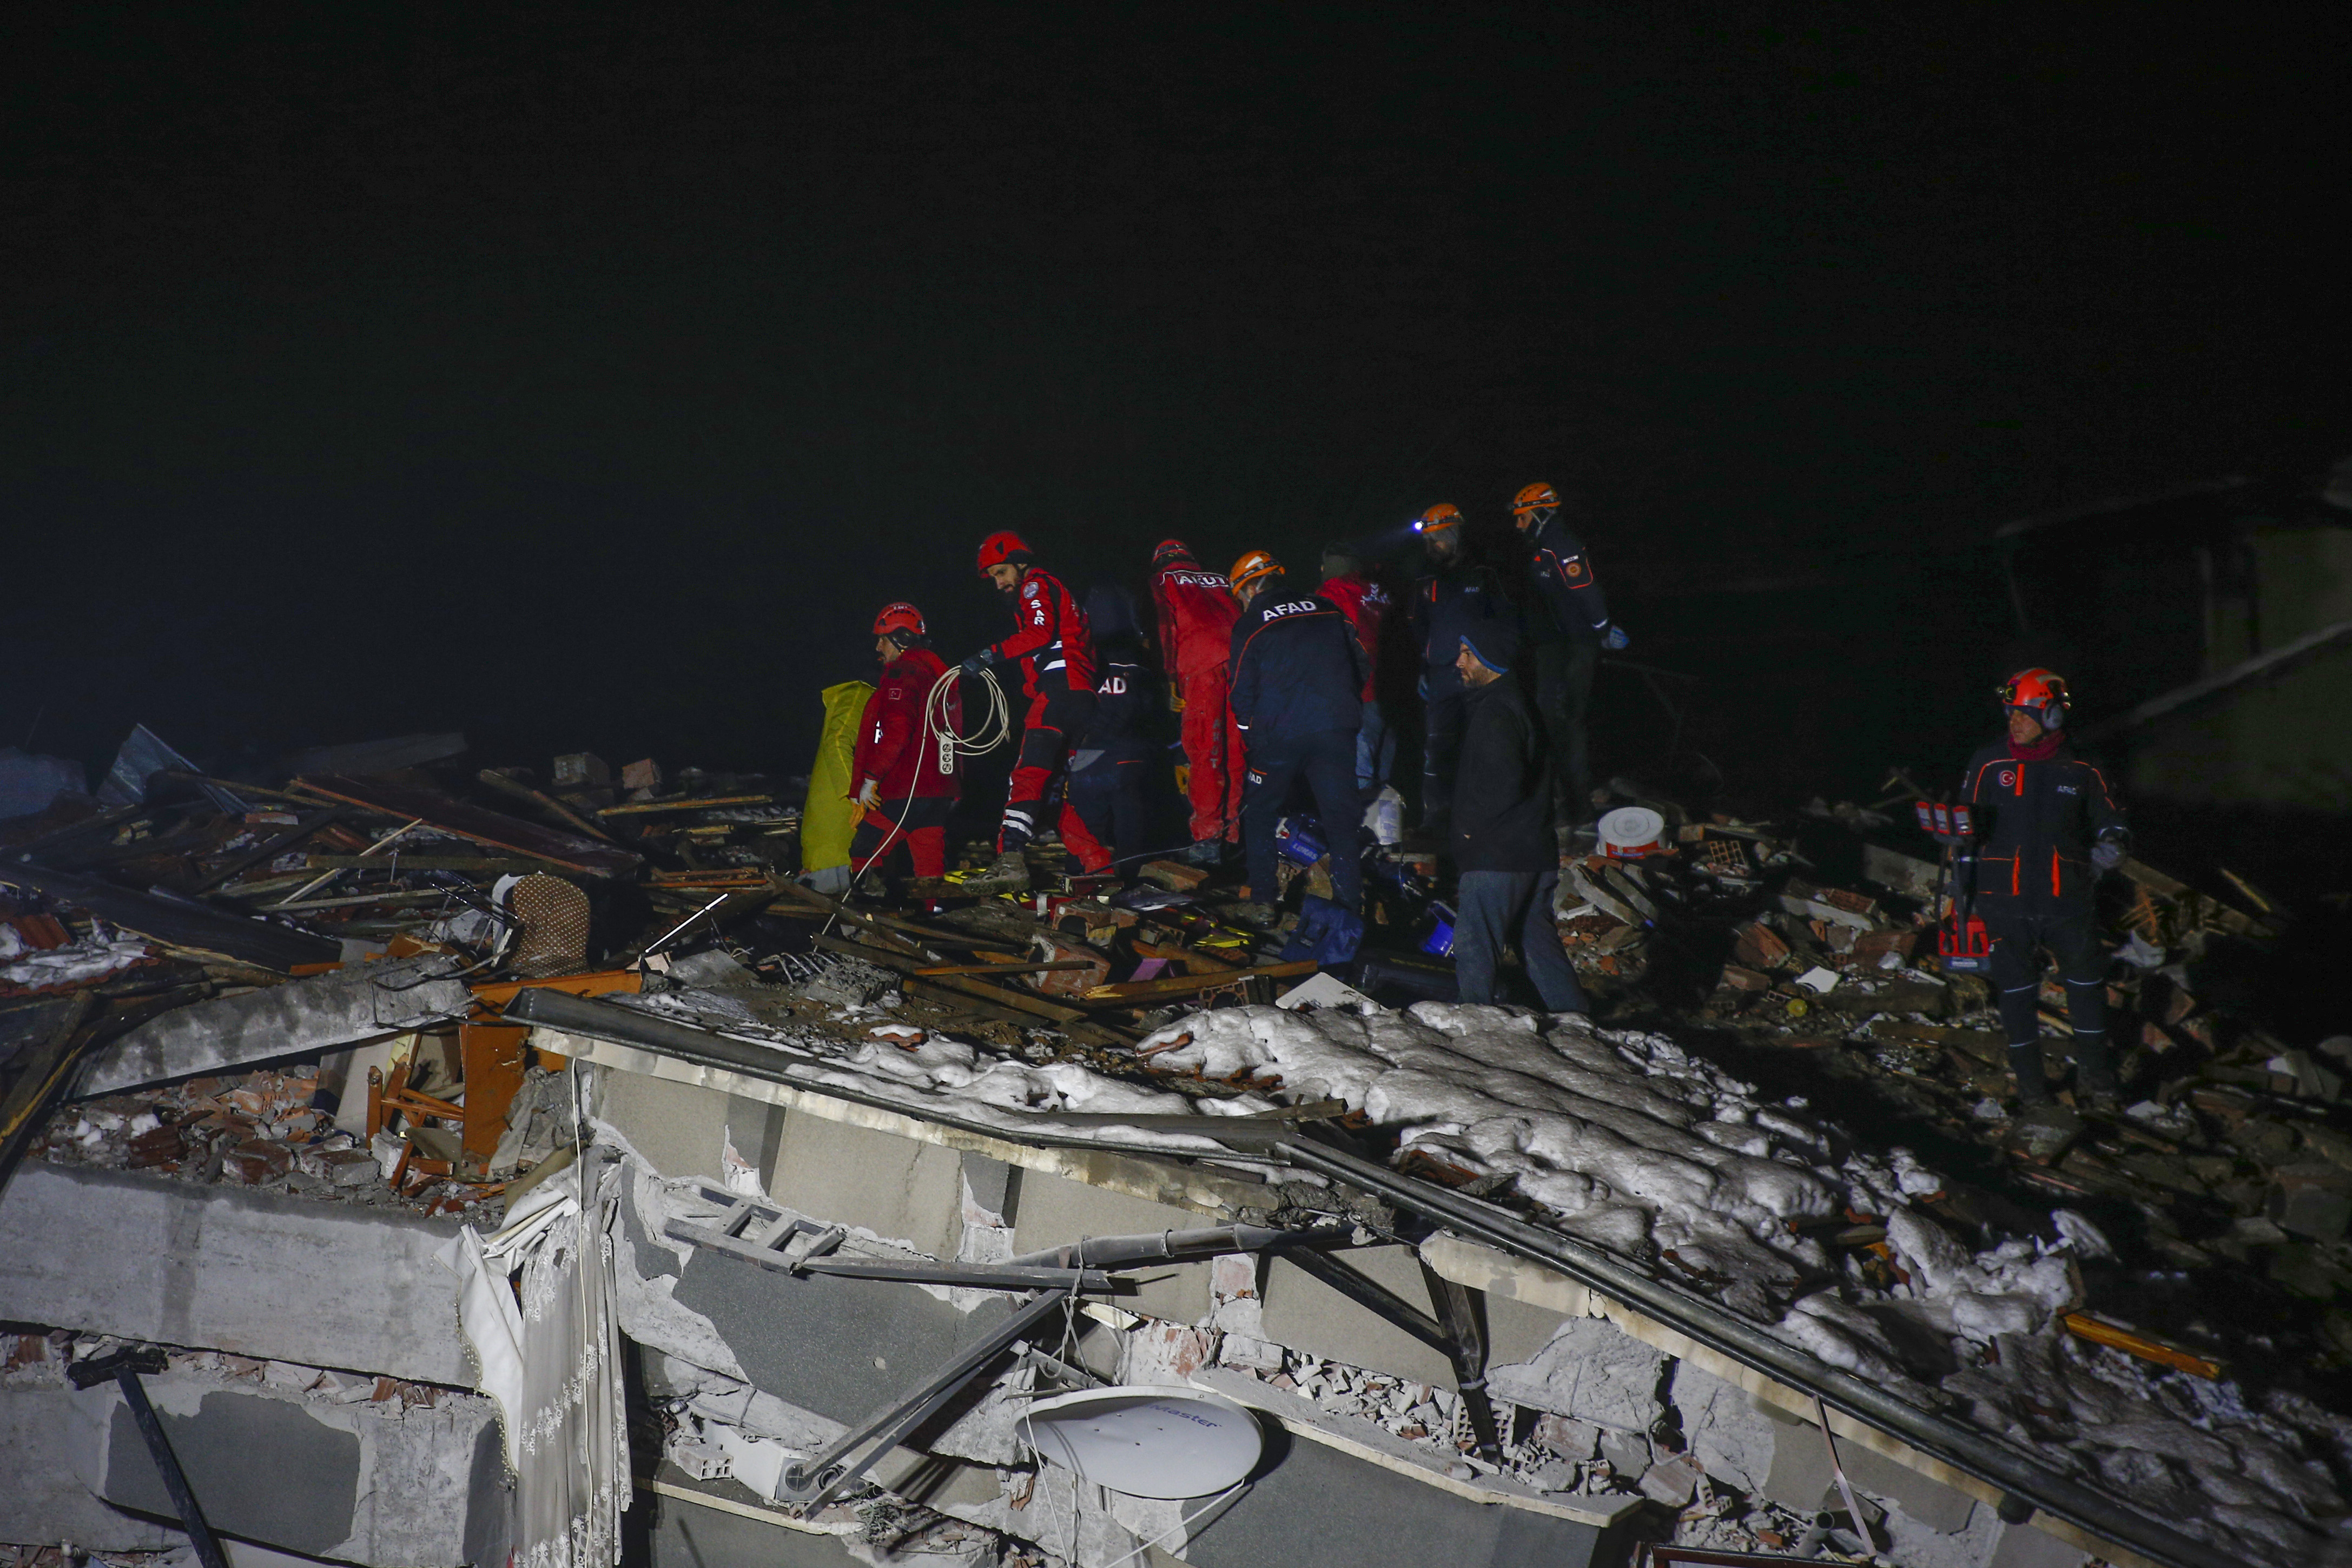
[581, 382]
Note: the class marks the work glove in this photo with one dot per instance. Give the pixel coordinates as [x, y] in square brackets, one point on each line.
[978, 663]
[2110, 852]
[870, 793]
[1614, 639]
[1175, 700]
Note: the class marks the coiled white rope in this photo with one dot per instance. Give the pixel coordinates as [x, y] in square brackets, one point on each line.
[997, 726]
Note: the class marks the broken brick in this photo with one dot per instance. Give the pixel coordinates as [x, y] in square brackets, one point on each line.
[256, 1160]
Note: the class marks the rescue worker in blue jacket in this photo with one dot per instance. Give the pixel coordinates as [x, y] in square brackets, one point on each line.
[1567, 627]
[1298, 684]
[2047, 825]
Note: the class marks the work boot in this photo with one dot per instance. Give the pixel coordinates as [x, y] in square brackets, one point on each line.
[1209, 853]
[2033, 1085]
[1008, 873]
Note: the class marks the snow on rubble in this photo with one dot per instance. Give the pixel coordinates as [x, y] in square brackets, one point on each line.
[1624, 1140]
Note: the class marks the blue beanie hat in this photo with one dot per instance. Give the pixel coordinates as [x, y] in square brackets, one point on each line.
[1495, 646]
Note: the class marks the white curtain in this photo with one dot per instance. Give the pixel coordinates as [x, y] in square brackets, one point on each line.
[539, 1318]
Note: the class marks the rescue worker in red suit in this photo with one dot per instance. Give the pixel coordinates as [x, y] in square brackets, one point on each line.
[1055, 653]
[1370, 608]
[894, 773]
[1196, 611]
[2047, 825]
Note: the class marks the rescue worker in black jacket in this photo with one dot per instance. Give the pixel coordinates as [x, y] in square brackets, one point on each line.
[1298, 676]
[1501, 833]
[1457, 597]
[2047, 825]
[1567, 627]
[1107, 807]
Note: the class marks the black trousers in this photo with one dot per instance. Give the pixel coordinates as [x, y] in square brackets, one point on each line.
[1327, 761]
[1441, 755]
[1563, 694]
[2018, 940]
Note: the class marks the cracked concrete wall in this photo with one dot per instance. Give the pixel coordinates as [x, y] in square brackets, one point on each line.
[269, 1275]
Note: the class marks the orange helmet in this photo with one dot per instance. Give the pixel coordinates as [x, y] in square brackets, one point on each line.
[899, 616]
[1536, 497]
[2039, 693]
[1439, 518]
[1257, 563]
[1170, 549]
[999, 548]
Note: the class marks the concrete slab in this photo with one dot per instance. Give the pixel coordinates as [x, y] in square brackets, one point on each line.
[1049, 1211]
[319, 1013]
[1303, 1312]
[261, 1274]
[899, 1189]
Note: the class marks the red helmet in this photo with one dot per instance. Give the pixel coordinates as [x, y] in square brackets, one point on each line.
[1170, 549]
[899, 616]
[1439, 518]
[2039, 693]
[1536, 497]
[1257, 563]
[999, 548]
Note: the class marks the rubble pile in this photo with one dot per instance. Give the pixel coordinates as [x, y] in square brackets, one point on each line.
[301, 990]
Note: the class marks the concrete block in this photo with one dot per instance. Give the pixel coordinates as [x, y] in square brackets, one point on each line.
[1590, 1370]
[380, 1485]
[1052, 1210]
[1305, 1313]
[320, 1013]
[269, 1275]
[46, 1446]
[2022, 1546]
[899, 1189]
[679, 1127]
[1732, 1440]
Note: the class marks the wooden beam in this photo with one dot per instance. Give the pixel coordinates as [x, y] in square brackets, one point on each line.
[1132, 993]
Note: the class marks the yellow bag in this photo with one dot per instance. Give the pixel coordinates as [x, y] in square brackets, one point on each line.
[830, 816]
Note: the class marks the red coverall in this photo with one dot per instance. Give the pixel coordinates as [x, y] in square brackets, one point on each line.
[902, 760]
[1057, 651]
[1366, 606]
[1196, 638]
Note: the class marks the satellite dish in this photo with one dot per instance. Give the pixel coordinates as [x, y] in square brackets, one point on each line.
[1145, 1441]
